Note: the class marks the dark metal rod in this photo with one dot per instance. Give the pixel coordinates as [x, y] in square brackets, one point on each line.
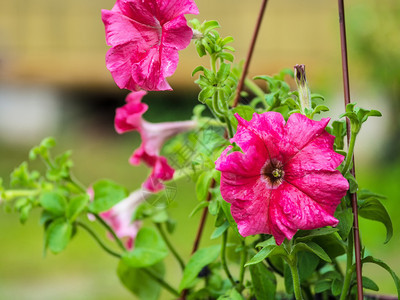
[250, 53]
[346, 86]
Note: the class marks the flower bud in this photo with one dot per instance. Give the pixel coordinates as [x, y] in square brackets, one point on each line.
[302, 87]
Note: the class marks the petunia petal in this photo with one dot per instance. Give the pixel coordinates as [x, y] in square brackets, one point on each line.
[119, 61]
[326, 188]
[316, 155]
[300, 130]
[292, 209]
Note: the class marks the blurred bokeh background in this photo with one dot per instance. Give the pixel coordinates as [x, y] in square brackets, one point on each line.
[53, 81]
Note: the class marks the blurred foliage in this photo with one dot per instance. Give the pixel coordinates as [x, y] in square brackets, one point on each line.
[373, 31]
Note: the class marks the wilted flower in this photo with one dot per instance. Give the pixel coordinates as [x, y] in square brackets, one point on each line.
[285, 179]
[119, 217]
[145, 36]
[154, 135]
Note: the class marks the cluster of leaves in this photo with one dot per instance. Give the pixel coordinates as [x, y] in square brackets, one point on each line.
[218, 84]
[63, 202]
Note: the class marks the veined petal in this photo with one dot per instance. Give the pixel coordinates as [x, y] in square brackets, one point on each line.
[300, 130]
[151, 71]
[119, 61]
[257, 211]
[292, 209]
[326, 188]
[120, 29]
[316, 155]
[176, 33]
[171, 9]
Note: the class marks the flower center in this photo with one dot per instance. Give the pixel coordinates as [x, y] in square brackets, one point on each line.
[273, 173]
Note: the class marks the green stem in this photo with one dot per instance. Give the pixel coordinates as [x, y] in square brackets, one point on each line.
[97, 239]
[170, 246]
[223, 257]
[349, 267]
[161, 281]
[243, 258]
[252, 86]
[109, 229]
[76, 183]
[9, 195]
[350, 152]
[292, 262]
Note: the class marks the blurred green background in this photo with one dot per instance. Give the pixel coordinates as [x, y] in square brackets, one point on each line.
[53, 81]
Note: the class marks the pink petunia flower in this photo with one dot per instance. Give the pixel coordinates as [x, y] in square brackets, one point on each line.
[119, 217]
[154, 135]
[285, 179]
[145, 36]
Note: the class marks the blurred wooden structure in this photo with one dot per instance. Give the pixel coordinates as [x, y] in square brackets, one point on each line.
[62, 42]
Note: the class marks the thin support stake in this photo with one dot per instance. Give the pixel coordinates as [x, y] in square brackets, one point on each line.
[250, 53]
[346, 86]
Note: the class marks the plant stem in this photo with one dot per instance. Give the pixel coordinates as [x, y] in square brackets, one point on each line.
[292, 262]
[252, 86]
[199, 232]
[223, 258]
[357, 243]
[170, 246]
[109, 229]
[350, 152]
[349, 269]
[202, 220]
[161, 281]
[243, 258]
[250, 53]
[97, 239]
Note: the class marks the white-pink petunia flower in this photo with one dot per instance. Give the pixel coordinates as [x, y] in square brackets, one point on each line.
[146, 36]
[119, 217]
[285, 178]
[129, 118]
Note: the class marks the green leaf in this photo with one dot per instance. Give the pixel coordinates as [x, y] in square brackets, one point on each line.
[245, 111]
[206, 93]
[264, 282]
[203, 184]
[76, 206]
[232, 294]
[106, 194]
[305, 235]
[322, 286]
[225, 55]
[220, 230]
[373, 209]
[223, 72]
[139, 282]
[58, 235]
[226, 208]
[198, 207]
[197, 262]
[266, 252]
[336, 287]
[370, 259]
[198, 69]
[48, 142]
[54, 203]
[345, 218]
[149, 249]
[313, 248]
[353, 185]
[209, 25]
[331, 244]
[288, 280]
[369, 284]
[307, 264]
